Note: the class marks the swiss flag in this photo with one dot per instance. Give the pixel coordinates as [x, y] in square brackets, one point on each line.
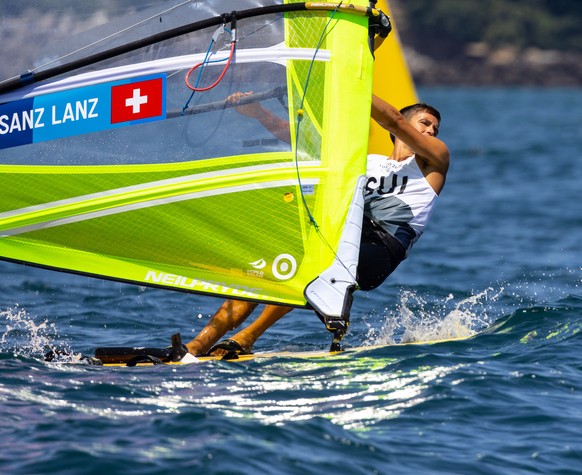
[136, 101]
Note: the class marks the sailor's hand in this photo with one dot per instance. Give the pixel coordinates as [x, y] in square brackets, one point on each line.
[380, 25]
[251, 109]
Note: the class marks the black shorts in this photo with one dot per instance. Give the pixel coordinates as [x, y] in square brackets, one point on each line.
[380, 254]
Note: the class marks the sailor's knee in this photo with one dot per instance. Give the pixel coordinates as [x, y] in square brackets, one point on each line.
[239, 309]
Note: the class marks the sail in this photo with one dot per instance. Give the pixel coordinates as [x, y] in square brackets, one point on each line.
[119, 160]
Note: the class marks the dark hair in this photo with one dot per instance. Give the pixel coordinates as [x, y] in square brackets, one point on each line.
[410, 111]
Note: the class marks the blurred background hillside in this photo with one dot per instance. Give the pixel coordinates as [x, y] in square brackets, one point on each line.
[492, 42]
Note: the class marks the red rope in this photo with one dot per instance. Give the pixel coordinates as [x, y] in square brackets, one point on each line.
[200, 89]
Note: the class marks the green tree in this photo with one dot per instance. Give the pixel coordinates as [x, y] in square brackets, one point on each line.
[446, 26]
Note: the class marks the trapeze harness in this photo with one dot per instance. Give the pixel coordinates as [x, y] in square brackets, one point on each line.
[398, 204]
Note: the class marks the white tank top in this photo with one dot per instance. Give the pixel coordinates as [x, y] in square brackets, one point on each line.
[398, 197]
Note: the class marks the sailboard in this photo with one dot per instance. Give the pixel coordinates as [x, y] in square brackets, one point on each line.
[177, 354]
[123, 158]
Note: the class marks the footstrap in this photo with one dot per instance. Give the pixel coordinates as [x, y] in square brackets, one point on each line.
[143, 359]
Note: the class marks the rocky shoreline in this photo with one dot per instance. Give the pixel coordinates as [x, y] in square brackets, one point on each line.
[502, 67]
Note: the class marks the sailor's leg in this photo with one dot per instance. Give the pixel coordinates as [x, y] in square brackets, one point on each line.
[229, 316]
[247, 336]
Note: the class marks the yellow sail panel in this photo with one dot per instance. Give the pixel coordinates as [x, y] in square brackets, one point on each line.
[392, 81]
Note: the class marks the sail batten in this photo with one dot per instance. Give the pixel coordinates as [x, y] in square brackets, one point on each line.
[83, 209]
[274, 54]
[254, 174]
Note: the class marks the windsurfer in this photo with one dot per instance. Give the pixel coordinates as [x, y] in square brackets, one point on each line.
[400, 193]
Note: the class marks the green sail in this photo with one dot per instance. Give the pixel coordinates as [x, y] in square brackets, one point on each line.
[195, 196]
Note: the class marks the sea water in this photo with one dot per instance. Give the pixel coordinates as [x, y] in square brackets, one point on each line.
[500, 260]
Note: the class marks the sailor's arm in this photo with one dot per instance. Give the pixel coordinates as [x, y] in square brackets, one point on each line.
[430, 149]
[273, 123]
[276, 125]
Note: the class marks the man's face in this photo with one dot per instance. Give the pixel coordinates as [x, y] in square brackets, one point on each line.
[425, 123]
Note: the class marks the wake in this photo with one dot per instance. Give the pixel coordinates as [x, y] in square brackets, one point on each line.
[22, 336]
[417, 319]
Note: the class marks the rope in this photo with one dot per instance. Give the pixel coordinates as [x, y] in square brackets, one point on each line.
[200, 65]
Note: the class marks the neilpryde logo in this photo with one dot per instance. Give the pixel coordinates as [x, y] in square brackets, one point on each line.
[283, 268]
